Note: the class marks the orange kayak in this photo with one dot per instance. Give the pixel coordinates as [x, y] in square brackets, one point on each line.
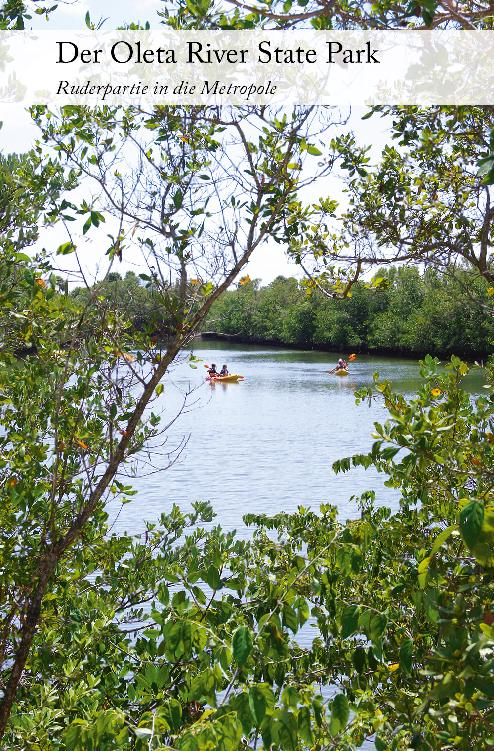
[226, 379]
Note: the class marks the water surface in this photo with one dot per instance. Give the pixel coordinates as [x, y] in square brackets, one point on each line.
[267, 444]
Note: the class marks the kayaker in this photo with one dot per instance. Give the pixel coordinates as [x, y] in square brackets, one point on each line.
[224, 371]
[212, 372]
[342, 364]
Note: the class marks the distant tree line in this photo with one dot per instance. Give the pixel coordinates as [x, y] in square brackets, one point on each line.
[137, 300]
[408, 313]
[403, 311]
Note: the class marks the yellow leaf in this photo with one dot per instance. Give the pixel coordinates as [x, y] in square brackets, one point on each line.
[488, 630]
[207, 713]
[393, 667]
[423, 570]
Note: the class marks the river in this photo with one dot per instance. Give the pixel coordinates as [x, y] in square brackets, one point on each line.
[266, 444]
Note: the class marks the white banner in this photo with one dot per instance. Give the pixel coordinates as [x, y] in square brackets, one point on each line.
[247, 67]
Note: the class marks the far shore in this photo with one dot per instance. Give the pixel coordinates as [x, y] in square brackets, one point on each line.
[216, 336]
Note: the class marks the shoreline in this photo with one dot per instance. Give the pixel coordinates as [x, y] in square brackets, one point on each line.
[206, 336]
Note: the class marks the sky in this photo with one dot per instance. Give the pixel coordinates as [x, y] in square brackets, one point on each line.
[70, 15]
[18, 132]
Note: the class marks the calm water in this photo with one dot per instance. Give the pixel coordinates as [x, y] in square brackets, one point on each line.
[266, 444]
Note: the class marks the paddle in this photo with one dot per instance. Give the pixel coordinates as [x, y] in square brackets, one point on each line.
[351, 358]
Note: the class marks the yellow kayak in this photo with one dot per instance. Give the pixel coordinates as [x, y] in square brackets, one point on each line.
[341, 372]
[227, 379]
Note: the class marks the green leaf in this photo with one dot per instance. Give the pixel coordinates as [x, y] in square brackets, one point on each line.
[65, 249]
[303, 610]
[485, 165]
[171, 711]
[290, 618]
[291, 697]
[374, 624]
[159, 389]
[212, 578]
[442, 537]
[317, 706]
[349, 621]
[163, 594]
[242, 645]
[285, 731]
[423, 570]
[96, 218]
[471, 519]
[261, 699]
[143, 732]
[178, 199]
[359, 659]
[313, 150]
[340, 712]
[304, 725]
[406, 652]
[242, 707]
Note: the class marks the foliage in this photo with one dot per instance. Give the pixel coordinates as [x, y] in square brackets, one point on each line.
[319, 15]
[277, 14]
[76, 405]
[486, 163]
[315, 633]
[400, 311]
[131, 297]
[425, 201]
[29, 189]
[15, 13]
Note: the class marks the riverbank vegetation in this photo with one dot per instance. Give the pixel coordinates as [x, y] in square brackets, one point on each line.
[402, 312]
[187, 638]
